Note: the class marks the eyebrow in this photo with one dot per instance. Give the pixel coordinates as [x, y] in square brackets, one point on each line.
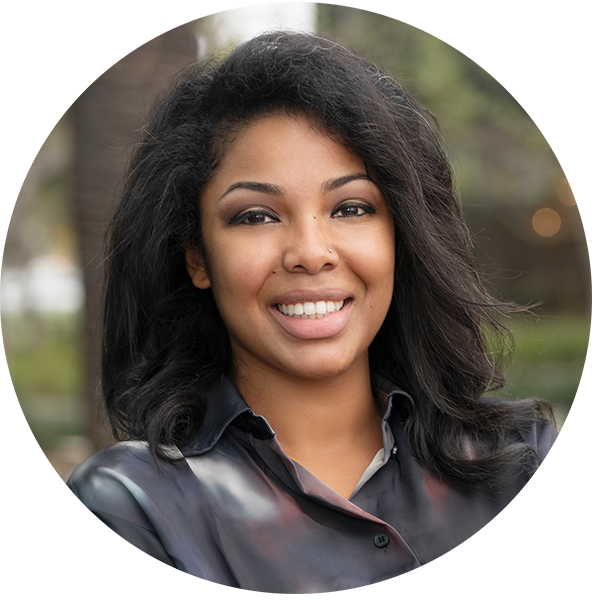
[265, 188]
[334, 184]
[276, 190]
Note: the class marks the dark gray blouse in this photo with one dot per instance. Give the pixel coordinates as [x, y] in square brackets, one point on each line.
[238, 511]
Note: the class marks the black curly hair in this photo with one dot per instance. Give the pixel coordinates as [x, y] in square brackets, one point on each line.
[164, 341]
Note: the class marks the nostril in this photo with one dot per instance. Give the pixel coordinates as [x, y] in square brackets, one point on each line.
[309, 254]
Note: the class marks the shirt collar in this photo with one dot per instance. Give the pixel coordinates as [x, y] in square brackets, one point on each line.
[226, 405]
[389, 395]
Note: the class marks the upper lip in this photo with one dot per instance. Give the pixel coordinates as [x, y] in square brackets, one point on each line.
[304, 295]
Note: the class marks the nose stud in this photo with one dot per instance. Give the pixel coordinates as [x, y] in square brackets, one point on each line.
[330, 250]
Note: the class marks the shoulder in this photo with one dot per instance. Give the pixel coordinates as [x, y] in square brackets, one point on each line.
[118, 480]
[539, 433]
[124, 488]
[530, 439]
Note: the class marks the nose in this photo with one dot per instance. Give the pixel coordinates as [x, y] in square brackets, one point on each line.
[308, 249]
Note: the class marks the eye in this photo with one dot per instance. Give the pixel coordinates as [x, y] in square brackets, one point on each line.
[254, 217]
[352, 209]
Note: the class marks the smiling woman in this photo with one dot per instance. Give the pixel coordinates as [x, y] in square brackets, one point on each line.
[292, 219]
[296, 337]
[325, 235]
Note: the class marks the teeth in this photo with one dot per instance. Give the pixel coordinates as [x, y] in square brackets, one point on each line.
[310, 310]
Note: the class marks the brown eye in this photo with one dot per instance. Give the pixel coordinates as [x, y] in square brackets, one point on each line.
[352, 210]
[254, 217]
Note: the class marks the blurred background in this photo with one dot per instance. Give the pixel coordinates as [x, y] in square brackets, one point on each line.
[529, 235]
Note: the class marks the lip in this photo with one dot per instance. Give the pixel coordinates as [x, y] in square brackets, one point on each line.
[306, 295]
[313, 329]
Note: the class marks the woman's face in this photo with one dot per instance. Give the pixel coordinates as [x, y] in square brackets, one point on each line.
[300, 248]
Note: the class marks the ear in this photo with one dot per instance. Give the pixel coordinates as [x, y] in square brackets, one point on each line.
[196, 267]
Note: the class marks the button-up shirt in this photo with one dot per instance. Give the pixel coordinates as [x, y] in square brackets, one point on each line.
[234, 509]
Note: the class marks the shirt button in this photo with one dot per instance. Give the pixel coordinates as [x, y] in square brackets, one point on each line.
[381, 539]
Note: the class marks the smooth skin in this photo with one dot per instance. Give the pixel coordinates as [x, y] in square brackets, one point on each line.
[291, 217]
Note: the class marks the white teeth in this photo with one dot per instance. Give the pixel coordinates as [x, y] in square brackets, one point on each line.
[310, 310]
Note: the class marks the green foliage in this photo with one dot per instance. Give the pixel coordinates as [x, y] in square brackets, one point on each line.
[45, 358]
[44, 353]
[548, 359]
[558, 339]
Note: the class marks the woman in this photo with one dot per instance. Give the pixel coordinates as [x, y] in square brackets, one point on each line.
[296, 338]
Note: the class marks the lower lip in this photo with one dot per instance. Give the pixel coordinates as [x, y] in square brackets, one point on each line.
[314, 329]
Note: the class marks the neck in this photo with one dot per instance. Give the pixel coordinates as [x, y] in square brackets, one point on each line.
[322, 424]
[296, 406]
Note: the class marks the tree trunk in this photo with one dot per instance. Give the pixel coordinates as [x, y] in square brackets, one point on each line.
[105, 117]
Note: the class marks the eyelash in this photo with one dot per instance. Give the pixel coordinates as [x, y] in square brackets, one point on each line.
[366, 208]
[240, 219]
[243, 218]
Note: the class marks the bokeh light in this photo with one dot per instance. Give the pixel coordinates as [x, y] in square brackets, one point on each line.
[546, 222]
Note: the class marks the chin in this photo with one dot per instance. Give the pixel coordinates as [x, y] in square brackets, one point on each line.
[320, 370]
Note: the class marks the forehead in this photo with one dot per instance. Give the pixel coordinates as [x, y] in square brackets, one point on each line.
[283, 145]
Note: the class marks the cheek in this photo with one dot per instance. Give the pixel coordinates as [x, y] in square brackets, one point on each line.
[385, 250]
[239, 273]
[374, 256]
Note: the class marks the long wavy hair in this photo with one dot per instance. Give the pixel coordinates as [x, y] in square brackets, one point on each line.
[442, 342]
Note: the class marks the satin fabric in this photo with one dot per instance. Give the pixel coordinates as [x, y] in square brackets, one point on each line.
[237, 511]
